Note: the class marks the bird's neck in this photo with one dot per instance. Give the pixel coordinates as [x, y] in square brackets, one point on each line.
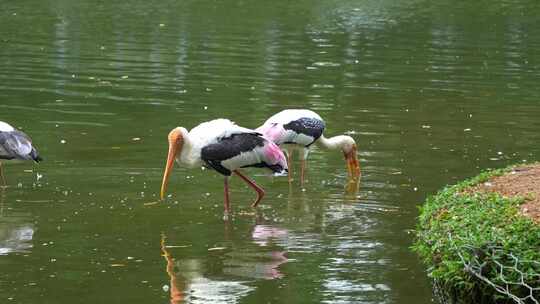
[190, 154]
[333, 143]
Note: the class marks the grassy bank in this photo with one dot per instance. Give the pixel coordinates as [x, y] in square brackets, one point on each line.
[477, 245]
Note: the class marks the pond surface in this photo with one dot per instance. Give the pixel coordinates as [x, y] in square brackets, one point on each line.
[432, 91]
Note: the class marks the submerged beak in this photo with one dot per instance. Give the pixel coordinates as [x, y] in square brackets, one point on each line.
[175, 144]
[353, 167]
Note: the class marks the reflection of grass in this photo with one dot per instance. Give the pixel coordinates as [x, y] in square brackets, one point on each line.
[471, 241]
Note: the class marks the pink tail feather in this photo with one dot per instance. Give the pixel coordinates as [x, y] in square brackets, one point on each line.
[274, 155]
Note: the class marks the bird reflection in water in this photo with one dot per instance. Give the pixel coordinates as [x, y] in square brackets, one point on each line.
[177, 285]
[353, 186]
[190, 281]
[264, 234]
[259, 263]
[15, 235]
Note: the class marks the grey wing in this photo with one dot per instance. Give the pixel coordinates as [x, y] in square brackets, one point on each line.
[15, 144]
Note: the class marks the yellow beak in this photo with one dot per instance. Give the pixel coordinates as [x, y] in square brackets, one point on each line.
[175, 144]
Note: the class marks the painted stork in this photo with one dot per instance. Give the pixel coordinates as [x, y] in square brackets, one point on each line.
[222, 145]
[14, 144]
[298, 129]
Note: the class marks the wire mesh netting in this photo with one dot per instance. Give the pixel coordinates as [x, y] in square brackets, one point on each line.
[514, 279]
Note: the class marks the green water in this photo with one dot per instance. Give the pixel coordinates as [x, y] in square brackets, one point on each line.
[433, 92]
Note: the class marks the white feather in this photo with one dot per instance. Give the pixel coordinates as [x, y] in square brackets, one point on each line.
[286, 116]
[302, 139]
[243, 159]
[205, 134]
[211, 131]
[5, 127]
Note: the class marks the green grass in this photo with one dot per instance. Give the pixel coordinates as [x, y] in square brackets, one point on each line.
[458, 228]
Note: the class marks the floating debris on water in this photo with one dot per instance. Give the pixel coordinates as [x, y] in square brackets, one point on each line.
[178, 246]
[216, 248]
[151, 203]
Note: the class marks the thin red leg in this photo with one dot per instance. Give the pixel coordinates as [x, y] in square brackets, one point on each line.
[304, 156]
[2, 175]
[260, 191]
[289, 165]
[303, 168]
[226, 203]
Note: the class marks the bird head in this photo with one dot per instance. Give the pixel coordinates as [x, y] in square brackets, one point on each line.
[176, 142]
[349, 152]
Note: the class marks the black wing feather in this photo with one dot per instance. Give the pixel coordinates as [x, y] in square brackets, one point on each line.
[308, 126]
[229, 147]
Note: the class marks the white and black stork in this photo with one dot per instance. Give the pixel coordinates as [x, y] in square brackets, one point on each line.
[225, 147]
[298, 129]
[14, 144]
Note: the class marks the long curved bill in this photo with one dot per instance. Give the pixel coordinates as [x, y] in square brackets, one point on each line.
[353, 166]
[173, 150]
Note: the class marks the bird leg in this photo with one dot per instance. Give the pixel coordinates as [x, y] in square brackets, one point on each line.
[289, 164]
[303, 166]
[226, 202]
[259, 190]
[2, 176]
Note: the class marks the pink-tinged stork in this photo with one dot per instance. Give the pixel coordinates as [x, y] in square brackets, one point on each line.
[295, 129]
[225, 147]
[14, 144]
